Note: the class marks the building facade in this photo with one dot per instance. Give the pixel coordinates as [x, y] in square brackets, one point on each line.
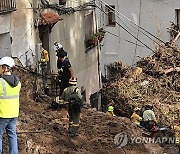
[131, 26]
[16, 30]
[30, 24]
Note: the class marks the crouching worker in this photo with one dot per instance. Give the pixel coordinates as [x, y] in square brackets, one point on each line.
[110, 111]
[149, 119]
[176, 129]
[73, 96]
[135, 118]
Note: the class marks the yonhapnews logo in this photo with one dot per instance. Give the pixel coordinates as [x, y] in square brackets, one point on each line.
[122, 139]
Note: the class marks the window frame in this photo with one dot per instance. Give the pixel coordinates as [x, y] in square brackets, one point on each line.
[89, 30]
[110, 17]
[7, 6]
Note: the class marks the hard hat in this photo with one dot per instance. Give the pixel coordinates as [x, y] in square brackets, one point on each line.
[73, 81]
[110, 108]
[57, 46]
[7, 61]
[137, 109]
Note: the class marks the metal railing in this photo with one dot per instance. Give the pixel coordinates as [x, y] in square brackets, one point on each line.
[7, 6]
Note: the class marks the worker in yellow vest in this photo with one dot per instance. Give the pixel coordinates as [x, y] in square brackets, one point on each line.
[136, 118]
[110, 111]
[44, 62]
[9, 103]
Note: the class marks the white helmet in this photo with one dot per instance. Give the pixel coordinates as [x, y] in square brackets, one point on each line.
[7, 61]
[57, 46]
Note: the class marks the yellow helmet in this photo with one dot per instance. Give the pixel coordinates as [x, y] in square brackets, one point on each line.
[110, 108]
[137, 109]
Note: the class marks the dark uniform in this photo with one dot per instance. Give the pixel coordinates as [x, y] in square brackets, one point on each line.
[63, 67]
[64, 74]
[74, 113]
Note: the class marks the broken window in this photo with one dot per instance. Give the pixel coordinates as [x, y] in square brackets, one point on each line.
[7, 6]
[110, 12]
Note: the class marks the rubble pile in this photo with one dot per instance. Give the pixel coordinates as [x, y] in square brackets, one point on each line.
[155, 80]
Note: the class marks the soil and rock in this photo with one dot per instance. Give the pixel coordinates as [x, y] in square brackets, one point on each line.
[42, 130]
[154, 80]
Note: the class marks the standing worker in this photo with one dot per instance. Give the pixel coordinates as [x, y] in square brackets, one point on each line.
[9, 103]
[59, 49]
[65, 70]
[73, 96]
[44, 62]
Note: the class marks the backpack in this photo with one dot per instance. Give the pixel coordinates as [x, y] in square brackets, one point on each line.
[75, 102]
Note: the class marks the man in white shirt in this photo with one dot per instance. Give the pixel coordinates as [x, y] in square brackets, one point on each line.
[149, 119]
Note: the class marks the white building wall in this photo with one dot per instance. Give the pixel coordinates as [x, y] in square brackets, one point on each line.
[70, 32]
[17, 33]
[152, 15]
[19, 25]
[23, 32]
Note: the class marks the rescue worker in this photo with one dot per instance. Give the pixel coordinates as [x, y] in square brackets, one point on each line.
[110, 111]
[9, 103]
[44, 62]
[65, 71]
[149, 119]
[73, 109]
[59, 49]
[176, 129]
[136, 118]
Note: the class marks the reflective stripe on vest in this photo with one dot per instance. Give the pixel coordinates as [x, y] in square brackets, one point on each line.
[9, 99]
[5, 91]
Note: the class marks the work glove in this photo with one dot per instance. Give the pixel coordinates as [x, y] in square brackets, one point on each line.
[59, 101]
[60, 70]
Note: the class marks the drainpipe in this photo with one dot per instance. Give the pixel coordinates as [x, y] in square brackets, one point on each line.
[98, 54]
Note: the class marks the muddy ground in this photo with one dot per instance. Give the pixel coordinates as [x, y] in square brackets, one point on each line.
[42, 130]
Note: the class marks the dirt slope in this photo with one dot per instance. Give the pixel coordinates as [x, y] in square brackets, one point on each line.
[45, 131]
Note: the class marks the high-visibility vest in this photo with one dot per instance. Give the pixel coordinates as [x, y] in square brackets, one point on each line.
[135, 118]
[44, 56]
[9, 99]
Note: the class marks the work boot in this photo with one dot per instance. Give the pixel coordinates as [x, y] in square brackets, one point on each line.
[73, 131]
[46, 90]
